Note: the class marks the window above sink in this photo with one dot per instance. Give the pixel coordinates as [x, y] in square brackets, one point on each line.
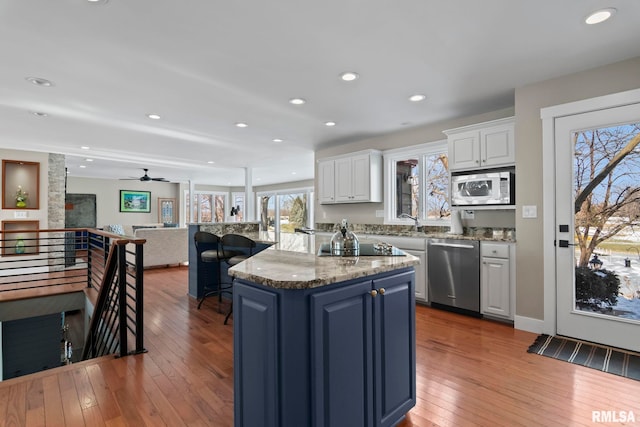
[417, 185]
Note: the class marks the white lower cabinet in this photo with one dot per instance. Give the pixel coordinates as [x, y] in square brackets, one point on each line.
[417, 247]
[421, 274]
[497, 279]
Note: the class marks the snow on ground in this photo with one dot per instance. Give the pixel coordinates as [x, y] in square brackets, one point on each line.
[628, 305]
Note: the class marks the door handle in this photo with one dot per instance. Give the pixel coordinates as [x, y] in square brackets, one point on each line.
[564, 243]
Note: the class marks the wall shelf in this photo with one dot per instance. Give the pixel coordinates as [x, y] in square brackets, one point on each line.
[20, 238]
[26, 175]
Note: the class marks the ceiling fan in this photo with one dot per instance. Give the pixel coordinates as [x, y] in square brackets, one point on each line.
[146, 177]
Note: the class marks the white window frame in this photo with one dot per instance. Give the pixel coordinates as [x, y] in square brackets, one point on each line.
[391, 157]
[214, 194]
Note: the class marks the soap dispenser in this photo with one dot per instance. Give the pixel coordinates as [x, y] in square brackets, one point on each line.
[344, 242]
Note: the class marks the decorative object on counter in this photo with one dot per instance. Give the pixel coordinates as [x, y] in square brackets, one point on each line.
[344, 242]
[20, 247]
[383, 248]
[21, 197]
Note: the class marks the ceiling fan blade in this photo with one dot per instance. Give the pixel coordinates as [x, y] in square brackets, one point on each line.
[146, 177]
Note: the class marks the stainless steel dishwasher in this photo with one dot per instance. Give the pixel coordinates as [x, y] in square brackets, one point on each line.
[454, 273]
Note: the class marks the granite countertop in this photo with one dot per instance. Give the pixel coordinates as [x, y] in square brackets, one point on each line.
[470, 233]
[292, 263]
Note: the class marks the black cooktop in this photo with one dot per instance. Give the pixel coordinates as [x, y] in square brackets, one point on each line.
[366, 249]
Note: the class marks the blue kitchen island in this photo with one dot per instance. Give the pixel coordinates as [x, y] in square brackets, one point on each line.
[323, 341]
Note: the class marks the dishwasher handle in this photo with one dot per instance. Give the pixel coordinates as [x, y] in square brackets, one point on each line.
[453, 245]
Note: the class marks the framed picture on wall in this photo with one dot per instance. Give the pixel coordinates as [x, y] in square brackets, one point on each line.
[135, 201]
[166, 210]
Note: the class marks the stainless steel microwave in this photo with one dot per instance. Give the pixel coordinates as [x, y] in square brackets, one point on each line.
[483, 187]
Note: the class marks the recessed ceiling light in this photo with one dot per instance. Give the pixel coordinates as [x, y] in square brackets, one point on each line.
[98, 1]
[417, 97]
[349, 76]
[293, 173]
[297, 101]
[600, 16]
[329, 124]
[38, 81]
[210, 162]
[153, 116]
[39, 113]
[241, 125]
[278, 140]
[84, 147]
[88, 160]
[82, 166]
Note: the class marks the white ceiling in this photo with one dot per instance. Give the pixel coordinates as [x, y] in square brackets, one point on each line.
[204, 65]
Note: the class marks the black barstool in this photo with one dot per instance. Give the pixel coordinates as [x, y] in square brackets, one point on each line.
[210, 250]
[237, 241]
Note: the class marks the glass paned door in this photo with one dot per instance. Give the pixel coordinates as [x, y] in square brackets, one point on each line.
[203, 207]
[597, 214]
[267, 205]
[293, 212]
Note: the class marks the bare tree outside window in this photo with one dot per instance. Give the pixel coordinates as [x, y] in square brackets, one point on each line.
[437, 186]
[607, 214]
[606, 173]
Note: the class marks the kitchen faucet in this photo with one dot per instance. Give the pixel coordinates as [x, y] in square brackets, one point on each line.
[414, 218]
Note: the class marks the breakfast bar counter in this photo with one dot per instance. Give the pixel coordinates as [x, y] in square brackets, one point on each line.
[285, 269]
[323, 340]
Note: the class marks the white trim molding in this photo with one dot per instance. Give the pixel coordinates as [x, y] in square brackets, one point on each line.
[529, 324]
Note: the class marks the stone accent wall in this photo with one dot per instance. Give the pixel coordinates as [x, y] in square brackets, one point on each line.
[55, 212]
[57, 175]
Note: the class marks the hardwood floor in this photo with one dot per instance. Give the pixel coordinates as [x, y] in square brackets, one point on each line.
[470, 372]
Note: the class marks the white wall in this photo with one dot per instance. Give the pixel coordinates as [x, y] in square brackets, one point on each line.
[107, 193]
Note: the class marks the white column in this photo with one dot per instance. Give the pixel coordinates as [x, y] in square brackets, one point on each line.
[192, 188]
[249, 199]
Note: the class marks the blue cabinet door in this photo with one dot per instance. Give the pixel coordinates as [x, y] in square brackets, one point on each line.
[255, 356]
[342, 356]
[395, 352]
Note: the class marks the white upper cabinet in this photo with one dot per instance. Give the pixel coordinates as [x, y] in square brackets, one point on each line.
[350, 179]
[484, 145]
[326, 181]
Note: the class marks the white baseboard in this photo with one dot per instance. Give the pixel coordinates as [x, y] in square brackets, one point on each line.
[528, 324]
